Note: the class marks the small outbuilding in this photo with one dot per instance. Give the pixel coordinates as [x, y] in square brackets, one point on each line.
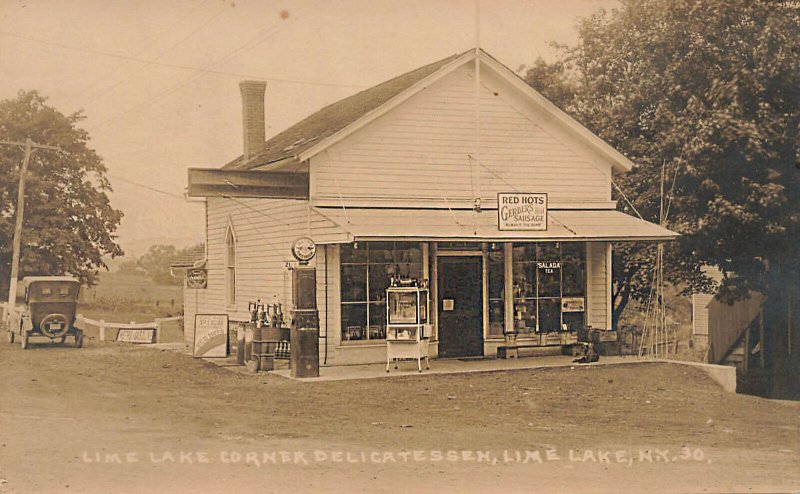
[458, 174]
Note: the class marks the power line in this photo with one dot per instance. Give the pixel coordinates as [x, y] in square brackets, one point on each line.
[137, 184]
[252, 43]
[167, 50]
[177, 66]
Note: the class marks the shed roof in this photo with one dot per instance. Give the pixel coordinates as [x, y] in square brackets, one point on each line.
[468, 225]
[333, 118]
[31, 279]
[192, 256]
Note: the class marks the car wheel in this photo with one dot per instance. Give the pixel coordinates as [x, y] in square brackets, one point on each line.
[24, 340]
[79, 339]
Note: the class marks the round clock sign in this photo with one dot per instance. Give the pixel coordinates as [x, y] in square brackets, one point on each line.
[304, 249]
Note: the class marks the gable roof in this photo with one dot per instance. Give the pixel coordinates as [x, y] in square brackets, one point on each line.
[333, 118]
[338, 120]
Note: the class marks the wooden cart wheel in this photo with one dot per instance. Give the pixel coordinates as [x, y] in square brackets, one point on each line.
[78, 339]
[24, 340]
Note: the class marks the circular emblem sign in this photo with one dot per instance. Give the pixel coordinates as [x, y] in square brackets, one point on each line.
[304, 249]
[196, 278]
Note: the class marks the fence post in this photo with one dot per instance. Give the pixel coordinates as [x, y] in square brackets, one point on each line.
[159, 323]
[761, 336]
[102, 330]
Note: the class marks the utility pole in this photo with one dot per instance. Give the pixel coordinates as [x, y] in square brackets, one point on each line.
[29, 147]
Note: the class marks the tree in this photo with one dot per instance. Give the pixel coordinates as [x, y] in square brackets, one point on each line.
[69, 224]
[156, 261]
[703, 96]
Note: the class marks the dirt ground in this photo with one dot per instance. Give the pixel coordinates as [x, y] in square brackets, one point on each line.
[112, 418]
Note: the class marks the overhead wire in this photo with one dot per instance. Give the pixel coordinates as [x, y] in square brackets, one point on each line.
[177, 66]
[499, 177]
[163, 52]
[137, 184]
[252, 43]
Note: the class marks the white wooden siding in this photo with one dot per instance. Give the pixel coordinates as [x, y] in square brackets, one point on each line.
[418, 153]
[265, 230]
[597, 278]
[700, 303]
[194, 302]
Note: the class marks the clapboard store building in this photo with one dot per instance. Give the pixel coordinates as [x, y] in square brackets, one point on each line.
[457, 173]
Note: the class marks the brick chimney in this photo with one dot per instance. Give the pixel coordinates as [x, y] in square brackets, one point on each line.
[253, 126]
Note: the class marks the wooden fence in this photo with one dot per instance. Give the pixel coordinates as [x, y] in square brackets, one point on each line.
[727, 323]
[167, 329]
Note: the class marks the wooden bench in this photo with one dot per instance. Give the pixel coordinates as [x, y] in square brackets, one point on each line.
[510, 351]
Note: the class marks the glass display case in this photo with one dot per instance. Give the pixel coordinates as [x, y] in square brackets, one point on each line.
[407, 329]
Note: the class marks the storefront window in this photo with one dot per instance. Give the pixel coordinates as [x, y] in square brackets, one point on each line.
[545, 275]
[366, 270]
[496, 268]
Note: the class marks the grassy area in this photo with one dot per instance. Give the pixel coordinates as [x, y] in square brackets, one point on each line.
[125, 298]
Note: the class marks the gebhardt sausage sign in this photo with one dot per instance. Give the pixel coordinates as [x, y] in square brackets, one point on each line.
[522, 211]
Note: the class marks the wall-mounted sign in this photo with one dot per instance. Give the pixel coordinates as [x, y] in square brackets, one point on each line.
[196, 278]
[573, 304]
[448, 304]
[522, 211]
[210, 335]
[137, 335]
[304, 249]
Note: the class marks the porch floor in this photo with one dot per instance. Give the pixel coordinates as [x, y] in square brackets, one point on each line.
[450, 366]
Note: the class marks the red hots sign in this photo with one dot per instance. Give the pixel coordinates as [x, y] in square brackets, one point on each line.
[522, 211]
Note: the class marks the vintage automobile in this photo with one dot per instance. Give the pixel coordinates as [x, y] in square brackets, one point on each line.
[48, 311]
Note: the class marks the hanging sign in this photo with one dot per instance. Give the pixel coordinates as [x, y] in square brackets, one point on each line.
[210, 335]
[522, 211]
[196, 278]
[548, 267]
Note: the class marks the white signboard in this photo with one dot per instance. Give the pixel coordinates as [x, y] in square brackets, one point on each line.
[521, 211]
[573, 304]
[210, 335]
[136, 335]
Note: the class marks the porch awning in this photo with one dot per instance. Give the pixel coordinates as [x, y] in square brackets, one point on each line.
[466, 225]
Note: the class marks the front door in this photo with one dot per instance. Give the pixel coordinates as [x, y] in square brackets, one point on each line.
[460, 306]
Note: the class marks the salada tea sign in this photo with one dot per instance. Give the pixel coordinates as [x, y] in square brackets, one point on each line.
[521, 211]
[210, 335]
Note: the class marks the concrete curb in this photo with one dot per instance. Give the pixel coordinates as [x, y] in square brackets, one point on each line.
[724, 375]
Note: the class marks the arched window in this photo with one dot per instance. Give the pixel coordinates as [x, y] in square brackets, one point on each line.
[230, 266]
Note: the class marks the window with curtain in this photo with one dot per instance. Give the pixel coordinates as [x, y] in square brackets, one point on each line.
[366, 270]
[230, 267]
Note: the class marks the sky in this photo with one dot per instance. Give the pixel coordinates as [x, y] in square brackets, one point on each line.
[158, 80]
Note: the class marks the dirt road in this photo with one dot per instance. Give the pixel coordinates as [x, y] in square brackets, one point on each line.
[118, 419]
